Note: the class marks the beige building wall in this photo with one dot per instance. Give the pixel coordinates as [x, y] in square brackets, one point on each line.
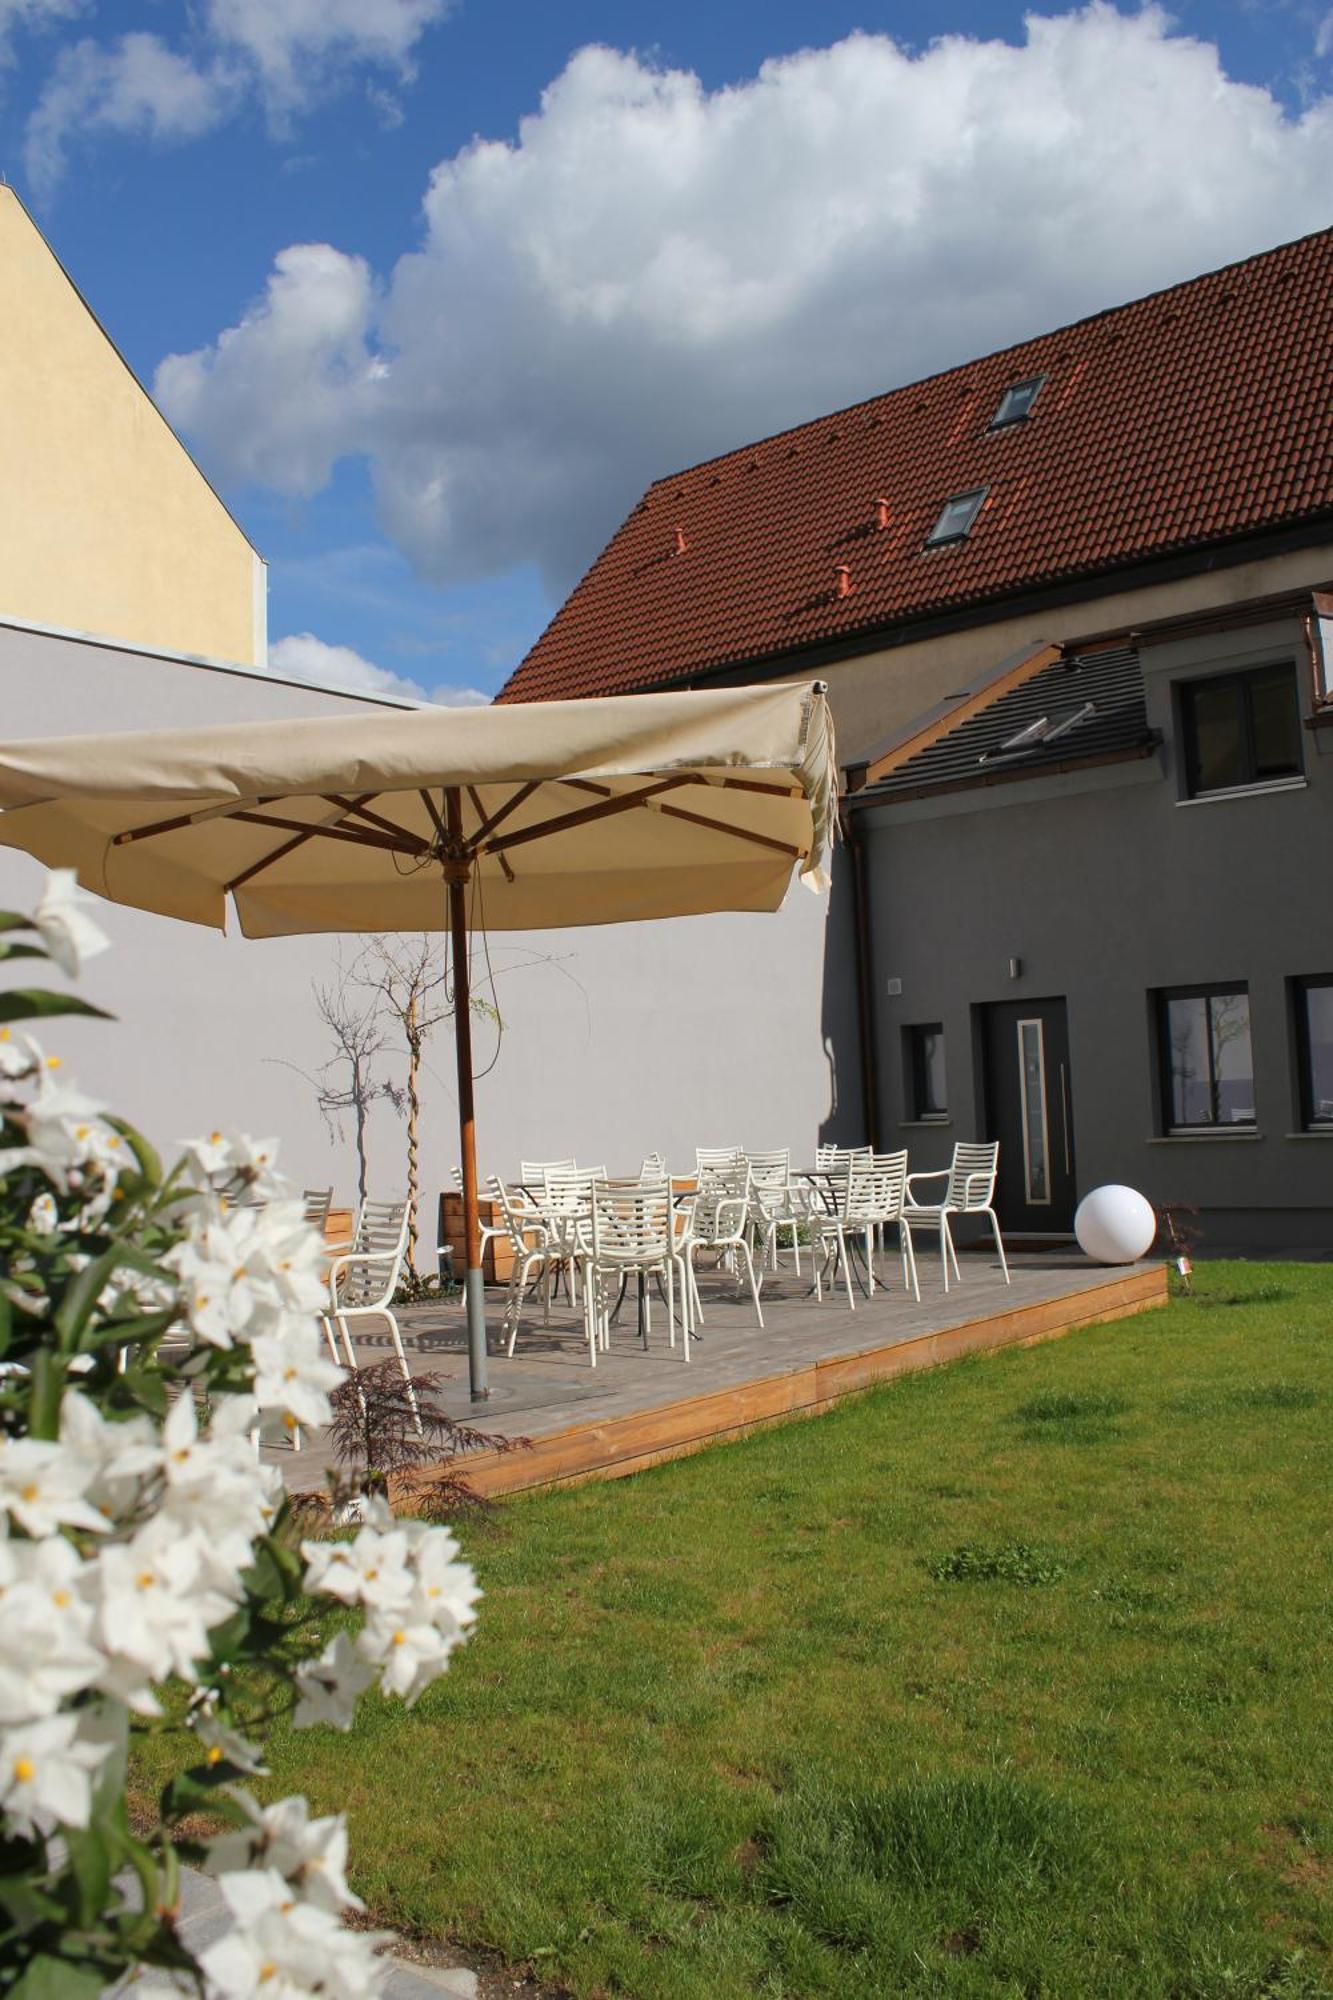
[106, 523]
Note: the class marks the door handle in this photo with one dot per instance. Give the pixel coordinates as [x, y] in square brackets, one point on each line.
[1064, 1118]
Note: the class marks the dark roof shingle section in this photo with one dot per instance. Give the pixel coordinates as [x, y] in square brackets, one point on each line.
[1200, 414]
[1098, 696]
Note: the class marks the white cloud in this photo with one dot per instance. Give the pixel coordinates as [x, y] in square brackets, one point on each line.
[652, 272]
[288, 53]
[32, 15]
[137, 87]
[303, 657]
[300, 356]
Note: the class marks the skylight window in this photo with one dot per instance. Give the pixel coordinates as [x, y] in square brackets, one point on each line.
[1046, 729]
[1016, 402]
[956, 517]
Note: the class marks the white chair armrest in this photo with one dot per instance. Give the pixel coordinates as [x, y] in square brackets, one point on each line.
[935, 1174]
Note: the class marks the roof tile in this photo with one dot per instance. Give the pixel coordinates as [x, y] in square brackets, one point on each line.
[1200, 414]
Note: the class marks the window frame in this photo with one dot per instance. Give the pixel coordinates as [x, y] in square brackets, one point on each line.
[999, 422]
[1171, 1127]
[1301, 988]
[1243, 680]
[916, 1071]
[936, 540]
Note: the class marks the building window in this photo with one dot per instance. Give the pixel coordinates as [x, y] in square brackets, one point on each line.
[1016, 402]
[1314, 1041]
[957, 517]
[927, 1092]
[1240, 729]
[1207, 1067]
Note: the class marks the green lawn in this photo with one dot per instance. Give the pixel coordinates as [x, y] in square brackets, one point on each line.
[1011, 1678]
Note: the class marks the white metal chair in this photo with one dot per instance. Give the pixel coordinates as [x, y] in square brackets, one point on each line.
[716, 1160]
[969, 1190]
[316, 1203]
[363, 1281]
[776, 1205]
[538, 1251]
[633, 1233]
[718, 1223]
[654, 1167]
[863, 1201]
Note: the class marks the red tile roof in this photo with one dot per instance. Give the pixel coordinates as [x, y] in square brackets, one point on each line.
[1197, 415]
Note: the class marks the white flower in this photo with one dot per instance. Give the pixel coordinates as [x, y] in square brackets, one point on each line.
[45, 1624]
[20, 1059]
[448, 1587]
[330, 1687]
[44, 1486]
[219, 1291]
[224, 1161]
[310, 1854]
[223, 1744]
[46, 1774]
[44, 1216]
[293, 1372]
[119, 1460]
[410, 1650]
[216, 1488]
[156, 1602]
[372, 1569]
[287, 1948]
[67, 933]
[67, 1140]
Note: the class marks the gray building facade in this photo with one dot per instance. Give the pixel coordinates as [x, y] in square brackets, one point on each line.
[1097, 928]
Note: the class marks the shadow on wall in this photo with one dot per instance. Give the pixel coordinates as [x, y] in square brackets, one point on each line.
[845, 1121]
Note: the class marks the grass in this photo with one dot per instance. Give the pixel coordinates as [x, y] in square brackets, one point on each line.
[790, 1719]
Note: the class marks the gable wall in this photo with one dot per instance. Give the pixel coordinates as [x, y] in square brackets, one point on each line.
[106, 524]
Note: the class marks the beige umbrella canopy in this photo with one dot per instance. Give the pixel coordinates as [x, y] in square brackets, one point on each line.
[532, 816]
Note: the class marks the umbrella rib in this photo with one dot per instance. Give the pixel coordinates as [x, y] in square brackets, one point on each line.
[480, 810]
[361, 836]
[618, 803]
[700, 819]
[488, 826]
[279, 853]
[360, 811]
[434, 811]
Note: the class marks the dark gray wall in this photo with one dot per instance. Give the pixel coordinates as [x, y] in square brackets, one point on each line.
[1107, 885]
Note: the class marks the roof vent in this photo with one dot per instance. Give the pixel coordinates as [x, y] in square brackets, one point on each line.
[882, 512]
[844, 575]
[679, 543]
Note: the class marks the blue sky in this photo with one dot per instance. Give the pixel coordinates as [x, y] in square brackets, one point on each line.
[428, 413]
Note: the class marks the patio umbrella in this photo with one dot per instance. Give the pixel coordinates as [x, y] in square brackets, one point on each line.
[519, 817]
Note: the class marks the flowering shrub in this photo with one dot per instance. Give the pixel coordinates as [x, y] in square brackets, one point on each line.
[148, 1320]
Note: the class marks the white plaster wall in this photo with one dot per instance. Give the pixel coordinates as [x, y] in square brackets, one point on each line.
[701, 1030]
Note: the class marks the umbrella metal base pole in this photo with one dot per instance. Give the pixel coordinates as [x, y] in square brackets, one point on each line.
[474, 1297]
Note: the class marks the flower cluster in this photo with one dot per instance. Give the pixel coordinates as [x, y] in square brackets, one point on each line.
[419, 1599]
[149, 1322]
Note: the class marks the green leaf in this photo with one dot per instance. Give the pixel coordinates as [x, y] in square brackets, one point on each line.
[31, 1003]
[56, 1979]
[90, 1864]
[22, 951]
[198, 1791]
[10, 920]
[150, 1161]
[75, 1307]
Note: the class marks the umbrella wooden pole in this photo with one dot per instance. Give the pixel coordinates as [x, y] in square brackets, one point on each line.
[474, 1296]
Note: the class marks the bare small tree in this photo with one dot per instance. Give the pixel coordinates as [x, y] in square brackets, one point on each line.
[347, 1082]
[405, 977]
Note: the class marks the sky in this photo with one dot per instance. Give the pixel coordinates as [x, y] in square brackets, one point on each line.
[433, 289]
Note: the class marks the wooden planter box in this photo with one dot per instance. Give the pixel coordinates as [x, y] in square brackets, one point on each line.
[497, 1264]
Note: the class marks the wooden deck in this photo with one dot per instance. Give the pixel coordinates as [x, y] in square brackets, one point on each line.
[642, 1405]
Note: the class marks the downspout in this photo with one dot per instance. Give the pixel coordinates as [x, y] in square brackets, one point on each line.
[853, 834]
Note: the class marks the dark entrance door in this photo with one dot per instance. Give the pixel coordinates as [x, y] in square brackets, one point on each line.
[1028, 1109]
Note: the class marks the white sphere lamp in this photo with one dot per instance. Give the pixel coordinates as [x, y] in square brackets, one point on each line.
[1114, 1225]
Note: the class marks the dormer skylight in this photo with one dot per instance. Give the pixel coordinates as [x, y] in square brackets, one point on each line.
[957, 517]
[1016, 402]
